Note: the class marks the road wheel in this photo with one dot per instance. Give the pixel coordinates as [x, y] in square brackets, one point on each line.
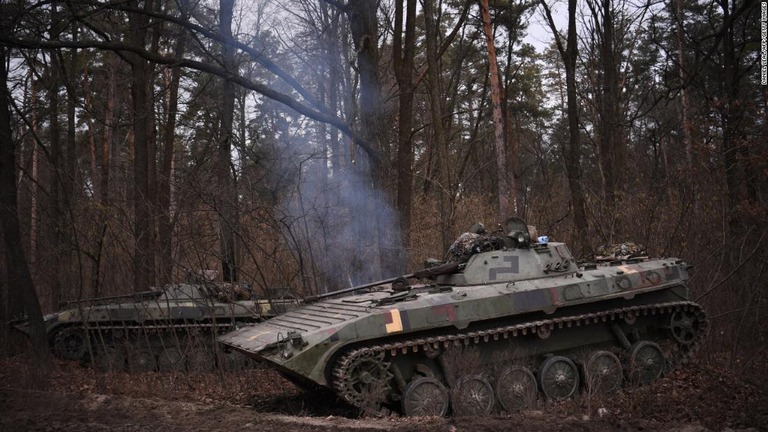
[558, 378]
[425, 396]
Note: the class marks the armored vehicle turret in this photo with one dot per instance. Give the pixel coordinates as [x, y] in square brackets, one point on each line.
[505, 323]
[169, 329]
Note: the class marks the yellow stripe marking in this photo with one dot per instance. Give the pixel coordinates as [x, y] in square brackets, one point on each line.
[627, 270]
[396, 325]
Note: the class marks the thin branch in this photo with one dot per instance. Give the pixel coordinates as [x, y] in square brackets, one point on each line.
[735, 270]
[209, 68]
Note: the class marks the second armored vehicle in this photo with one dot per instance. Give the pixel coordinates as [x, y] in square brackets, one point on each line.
[505, 322]
[169, 329]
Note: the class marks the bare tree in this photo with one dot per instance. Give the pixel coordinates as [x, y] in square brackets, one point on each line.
[505, 189]
[227, 204]
[439, 142]
[403, 62]
[143, 113]
[22, 296]
[569, 55]
[612, 146]
[165, 178]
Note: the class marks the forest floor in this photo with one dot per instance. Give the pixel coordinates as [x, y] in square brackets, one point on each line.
[698, 397]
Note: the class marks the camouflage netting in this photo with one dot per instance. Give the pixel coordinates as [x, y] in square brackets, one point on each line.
[620, 251]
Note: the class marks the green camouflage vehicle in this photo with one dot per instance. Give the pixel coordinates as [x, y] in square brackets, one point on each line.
[169, 329]
[505, 322]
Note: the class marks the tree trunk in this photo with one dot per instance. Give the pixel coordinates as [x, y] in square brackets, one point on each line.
[69, 256]
[512, 131]
[142, 111]
[93, 160]
[363, 26]
[732, 141]
[33, 190]
[402, 59]
[440, 144]
[574, 136]
[612, 146]
[685, 103]
[227, 206]
[55, 224]
[505, 190]
[19, 276]
[335, 78]
[165, 180]
[109, 126]
[70, 165]
[569, 54]
[99, 166]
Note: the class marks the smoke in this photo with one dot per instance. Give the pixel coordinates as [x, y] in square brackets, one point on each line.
[344, 230]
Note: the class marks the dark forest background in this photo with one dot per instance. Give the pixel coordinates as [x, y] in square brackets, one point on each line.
[317, 144]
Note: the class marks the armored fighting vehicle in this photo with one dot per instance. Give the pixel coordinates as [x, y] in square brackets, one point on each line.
[506, 322]
[169, 329]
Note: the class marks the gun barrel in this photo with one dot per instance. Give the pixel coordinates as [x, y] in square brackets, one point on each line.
[450, 267]
[315, 298]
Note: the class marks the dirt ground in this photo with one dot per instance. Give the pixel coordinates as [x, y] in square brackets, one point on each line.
[697, 398]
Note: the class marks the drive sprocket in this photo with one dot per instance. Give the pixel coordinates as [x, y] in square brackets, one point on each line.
[70, 343]
[362, 378]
